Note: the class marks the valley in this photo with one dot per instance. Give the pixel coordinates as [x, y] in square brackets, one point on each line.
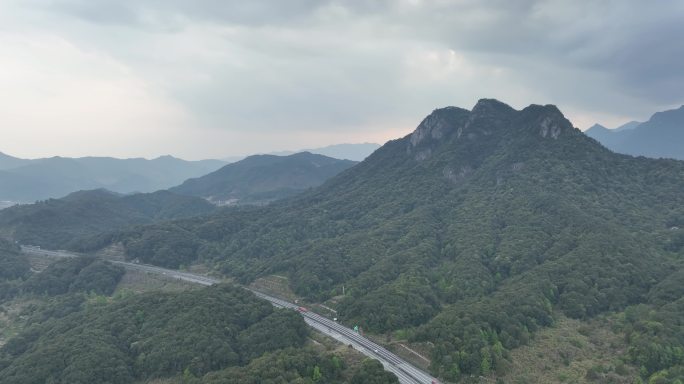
[406, 373]
[341, 192]
[154, 284]
[449, 247]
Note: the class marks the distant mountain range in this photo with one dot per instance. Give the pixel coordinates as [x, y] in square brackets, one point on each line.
[28, 180]
[662, 136]
[68, 221]
[260, 179]
[23, 180]
[355, 152]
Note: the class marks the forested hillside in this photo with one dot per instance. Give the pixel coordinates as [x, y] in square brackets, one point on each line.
[66, 276]
[63, 325]
[261, 179]
[12, 264]
[60, 223]
[220, 334]
[470, 233]
[151, 335]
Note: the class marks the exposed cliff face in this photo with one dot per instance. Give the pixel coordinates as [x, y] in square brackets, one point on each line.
[547, 120]
[490, 119]
[437, 125]
[435, 129]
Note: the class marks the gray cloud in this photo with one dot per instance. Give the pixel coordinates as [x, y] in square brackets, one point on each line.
[359, 70]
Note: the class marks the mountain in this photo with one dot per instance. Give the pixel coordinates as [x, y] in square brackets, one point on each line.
[57, 223]
[261, 179]
[662, 136]
[214, 335]
[659, 137]
[354, 152]
[9, 162]
[29, 180]
[469, 236]
[611, 138]
[627, 126]
[606, 136]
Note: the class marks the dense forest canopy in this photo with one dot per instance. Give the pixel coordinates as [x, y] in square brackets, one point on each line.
[70, 331]
[12, 264]
[468, 233]
[14, 269]
[62, 223]
[151, 335]
[220, 334]
[73, 275]
[80, 274]
[659, 137]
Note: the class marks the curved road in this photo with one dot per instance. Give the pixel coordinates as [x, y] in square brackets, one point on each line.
[407, 373]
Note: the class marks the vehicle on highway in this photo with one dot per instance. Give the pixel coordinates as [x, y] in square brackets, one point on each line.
[302, 309]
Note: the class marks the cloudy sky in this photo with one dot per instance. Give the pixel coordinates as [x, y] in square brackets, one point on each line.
[215, 78]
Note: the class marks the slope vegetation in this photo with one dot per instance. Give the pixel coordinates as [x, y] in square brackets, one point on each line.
[59, 223]
[469, 234]
[261, 179]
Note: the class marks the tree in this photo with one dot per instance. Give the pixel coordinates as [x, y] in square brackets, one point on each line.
[317, 376]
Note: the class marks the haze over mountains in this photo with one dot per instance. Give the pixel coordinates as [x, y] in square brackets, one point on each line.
[607, 136]
[662, 136]
[465, 237]
[354, 152]
[481, 242]
[261, 179]
[470, 234]
[23, 180]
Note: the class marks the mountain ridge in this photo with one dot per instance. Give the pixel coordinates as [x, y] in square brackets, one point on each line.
[344, 151]
[465, 236]
[261, 179]
[659, 137]
[60, 223]
[24, 180]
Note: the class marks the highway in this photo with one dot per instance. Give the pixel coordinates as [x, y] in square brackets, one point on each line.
[407, 373]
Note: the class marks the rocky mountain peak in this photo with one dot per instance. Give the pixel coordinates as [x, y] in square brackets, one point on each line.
[488, 118]
[436, 125]
[491, 108]
[547, 120]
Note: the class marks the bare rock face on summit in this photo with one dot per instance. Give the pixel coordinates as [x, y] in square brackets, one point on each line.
[488, 117]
